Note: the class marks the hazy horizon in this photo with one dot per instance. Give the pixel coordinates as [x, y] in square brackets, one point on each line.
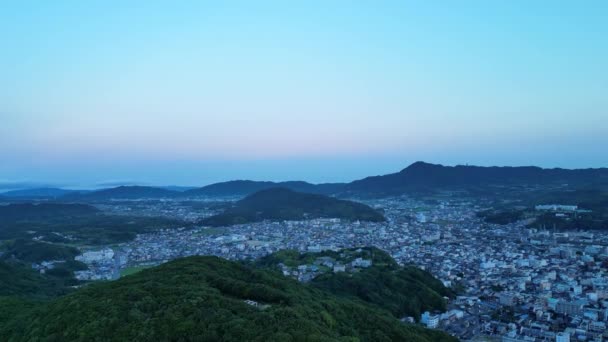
[194, 93]
[243, 173]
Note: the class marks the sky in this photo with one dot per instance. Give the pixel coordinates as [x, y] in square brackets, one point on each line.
[195, 92]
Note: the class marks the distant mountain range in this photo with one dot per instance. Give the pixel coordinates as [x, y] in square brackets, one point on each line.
[417, 177]
[40, 193]
[285, 204]
[125, 192]
[422, 176]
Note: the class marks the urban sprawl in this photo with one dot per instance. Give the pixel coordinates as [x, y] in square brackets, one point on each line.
[515, 283]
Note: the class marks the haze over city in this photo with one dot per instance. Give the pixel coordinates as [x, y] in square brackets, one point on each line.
[199, 92]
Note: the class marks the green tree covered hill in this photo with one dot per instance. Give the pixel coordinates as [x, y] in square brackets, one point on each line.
[285, 204]
[203, 299]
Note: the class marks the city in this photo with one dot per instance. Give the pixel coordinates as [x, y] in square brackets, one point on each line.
[514, 282]
[303, 171]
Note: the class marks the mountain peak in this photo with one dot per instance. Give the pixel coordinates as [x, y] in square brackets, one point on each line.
[420, 165]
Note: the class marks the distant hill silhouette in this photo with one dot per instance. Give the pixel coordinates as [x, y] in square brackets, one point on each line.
[125, 192]
[285, 204]
[425, 176]
[40, 193]
[247, 187]
[419, 176]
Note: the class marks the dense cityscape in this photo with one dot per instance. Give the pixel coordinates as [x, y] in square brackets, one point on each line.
[514, 282]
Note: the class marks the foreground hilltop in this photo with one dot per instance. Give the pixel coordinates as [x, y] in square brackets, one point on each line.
[285, 204]
[204, 299]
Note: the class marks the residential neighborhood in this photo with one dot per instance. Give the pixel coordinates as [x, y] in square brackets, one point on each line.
[514, 282]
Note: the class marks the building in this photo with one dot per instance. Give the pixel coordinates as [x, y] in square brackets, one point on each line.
[556, 207]
[96, 256]
[562, 337]
[506, 299]
[421, 217]
[359, 262]
[569, 308]
[431, 321]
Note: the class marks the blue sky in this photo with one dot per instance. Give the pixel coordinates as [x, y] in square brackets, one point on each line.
[162, 92]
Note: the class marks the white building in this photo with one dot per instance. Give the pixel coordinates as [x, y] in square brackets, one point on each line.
[562, 337]
[94, 256]
[359, 262]
[556, 207]
[339, 268]
[420, 217]
[431, 321]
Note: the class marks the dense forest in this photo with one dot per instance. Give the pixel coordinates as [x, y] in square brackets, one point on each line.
[203, 299]
[285, 204]
[35, 251]
[18, 279]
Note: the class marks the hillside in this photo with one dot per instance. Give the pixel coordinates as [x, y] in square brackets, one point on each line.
[247, 187]
[203, 299]
[285, 204]
[22, 253]
[34, 251]
[422, 176]
[403, 291]
[18, 279]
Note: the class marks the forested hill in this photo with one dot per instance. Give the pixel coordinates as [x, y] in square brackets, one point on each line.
[425, 176]
[285, 204]
[421, 176]
[417, 177]
[203, 299]
[248, 187]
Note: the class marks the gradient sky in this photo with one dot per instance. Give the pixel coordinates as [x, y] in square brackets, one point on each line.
[179, 92]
